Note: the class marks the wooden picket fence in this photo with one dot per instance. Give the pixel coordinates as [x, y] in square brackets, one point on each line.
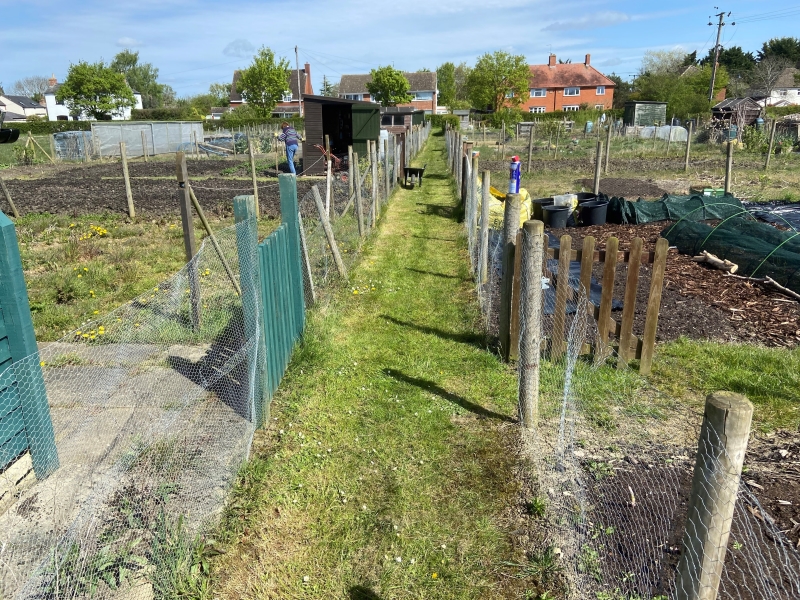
[624, 342]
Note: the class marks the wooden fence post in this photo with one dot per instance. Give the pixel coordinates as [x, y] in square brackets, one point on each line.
[472, 212]
[6, 193]
[712, 500]
[530, 342]
[144, 146]
[253, 174]
[606, 298]
[688, 147]
[513, 336]
[728, 168]
[20, 347]
[359, 206]
[653, 306]
[326, 226]
[629, 306]
[373, 159]
[52, 141]
[385, 144]
[128, 192]
[562, 289]
[771, 143]
[189, 244]
[328, 162]
[310, 294]
[530, 148]
[608, 148]
[350, 189]
[598, 166]
[510, 228]
[486, 198]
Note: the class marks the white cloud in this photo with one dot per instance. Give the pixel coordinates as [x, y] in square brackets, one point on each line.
[128, 42]
[591, 21]
[611, 62]
[240, 48]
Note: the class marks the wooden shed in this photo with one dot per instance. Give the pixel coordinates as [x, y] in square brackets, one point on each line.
[740, 111]
[396, 119]
[346, 122]
[644, 113]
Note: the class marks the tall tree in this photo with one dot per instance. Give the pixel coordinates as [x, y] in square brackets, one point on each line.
[221, 92]
[785, 47]
[142, 77]
[461, 75]
[734, 59]
[96, 90]
[264, 82]
[446, 81]
[766, 73]
[32, 87]
[329, 89]
[389, 86]
[622, 90]
[499, 80]
[660, 62]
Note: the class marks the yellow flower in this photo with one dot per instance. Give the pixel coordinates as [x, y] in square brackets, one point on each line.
[435, 576]
[97, 312]
[78, 332]
[79, 275]
[136, 325]
[85, 269]
[41, 364]
[355, 292]
[72, 224]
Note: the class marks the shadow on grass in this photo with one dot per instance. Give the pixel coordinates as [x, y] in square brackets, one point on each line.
[430, 386]
[438, 239]
[440, 210]
[442, 275]
[473, 339]
[360, 592]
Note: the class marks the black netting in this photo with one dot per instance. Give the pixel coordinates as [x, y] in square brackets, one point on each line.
[673, 208]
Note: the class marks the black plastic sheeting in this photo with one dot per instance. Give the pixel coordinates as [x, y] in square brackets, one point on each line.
[786, 214]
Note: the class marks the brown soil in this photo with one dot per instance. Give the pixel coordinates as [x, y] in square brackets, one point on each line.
[625, 188]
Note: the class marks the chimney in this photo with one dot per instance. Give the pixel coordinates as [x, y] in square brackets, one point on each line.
[552, 62]
[309, 90]
[52, 81]
[588, 59]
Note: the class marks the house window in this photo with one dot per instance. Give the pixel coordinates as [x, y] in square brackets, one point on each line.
[422, 95]
[537, 109]
[352, 96]
[538, 92]
[599, 107]
[509, 94]
[386, 120]
[572, 91]
[287, 96]
[601, 90]
[571, 108]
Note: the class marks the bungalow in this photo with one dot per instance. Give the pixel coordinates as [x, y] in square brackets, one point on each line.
[786, 91]
[21, 106]
[567, 86]
[291, 101]
[58, 111]
[422, 87]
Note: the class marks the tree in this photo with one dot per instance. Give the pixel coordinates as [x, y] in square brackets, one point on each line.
[446, 82]
[389, 86]
[622, 90]
[498, 80]
[221, 92]
[766, 73]
[329, 89]
[739, 65]
[33, 87]
[685, 94]
[264, 82]
[785, 47]
[461, 75]
[142, 77]
[95, 90]
[660, 62]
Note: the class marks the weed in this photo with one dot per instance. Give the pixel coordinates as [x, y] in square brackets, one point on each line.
[536, 507]
[589, 562]
[180, 563]
[600, 469]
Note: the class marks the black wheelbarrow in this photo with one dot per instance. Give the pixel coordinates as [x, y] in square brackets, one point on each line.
[413, 172]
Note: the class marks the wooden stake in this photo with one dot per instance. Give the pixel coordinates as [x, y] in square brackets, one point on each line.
[189, 244]
[510, 228]
[350, 187]
[532, 251]
[513, 346]
[328, 176]
[653, 306]
[386, 169]
[530, 147]
[728, 168]
[688, 147]
[608, 148]
[253, 173]
[598, 166]
[373, 159]
[359, 207]
[144, 146]
[85, 148]
[558, 137]
[6, 193]
[309, 293]
[485, 200]
[771, 143]
[562, 289]
[712, 500]
[33, 139]
[52, 141]
[629, 306]
[326, 226]
[606, 298]
[587, 257]
[128, 193]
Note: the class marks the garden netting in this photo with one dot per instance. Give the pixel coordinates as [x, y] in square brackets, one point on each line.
[672, 208]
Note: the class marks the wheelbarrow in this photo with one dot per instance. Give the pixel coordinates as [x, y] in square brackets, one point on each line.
[413, 172]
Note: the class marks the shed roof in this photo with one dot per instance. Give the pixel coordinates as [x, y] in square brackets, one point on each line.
[12, 116]
[734, 103]
[334, 100]
[567, 75]
[423, 81]
[237, 75]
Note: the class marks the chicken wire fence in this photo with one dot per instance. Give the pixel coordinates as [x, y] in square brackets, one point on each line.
[152, 416]
[613, 479]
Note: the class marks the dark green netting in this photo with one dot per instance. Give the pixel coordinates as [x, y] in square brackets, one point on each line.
[672, 208]
[759, 249]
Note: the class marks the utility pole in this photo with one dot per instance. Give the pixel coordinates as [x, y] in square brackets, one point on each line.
[300, 90]
[716, 54]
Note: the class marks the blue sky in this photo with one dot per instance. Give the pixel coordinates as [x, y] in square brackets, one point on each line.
[196, 42]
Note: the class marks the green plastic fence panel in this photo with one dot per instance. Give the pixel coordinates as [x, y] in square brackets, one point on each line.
[25, 422]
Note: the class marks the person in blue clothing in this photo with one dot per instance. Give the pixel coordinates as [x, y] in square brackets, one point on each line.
[291, 138]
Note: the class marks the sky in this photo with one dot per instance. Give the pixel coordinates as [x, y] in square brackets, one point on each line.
[194, 43]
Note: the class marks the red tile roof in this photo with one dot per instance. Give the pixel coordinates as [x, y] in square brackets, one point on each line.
[567, 75]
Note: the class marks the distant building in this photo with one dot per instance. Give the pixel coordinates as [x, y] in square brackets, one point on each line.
[645, 113]
[21, 106]
[739, 111]
[567, 86]
[786, 91]
[422, 88]
[57, 111]
[291, 101]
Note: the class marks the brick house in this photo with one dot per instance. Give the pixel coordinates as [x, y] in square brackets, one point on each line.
[422, 86]
[566, 86]
[289, 105]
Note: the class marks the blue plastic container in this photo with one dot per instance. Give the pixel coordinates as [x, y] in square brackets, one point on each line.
[589, 127]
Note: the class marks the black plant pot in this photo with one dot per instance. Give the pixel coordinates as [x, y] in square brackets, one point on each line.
[593, 213]
[536, 206]
[586, 197]
[556, 217]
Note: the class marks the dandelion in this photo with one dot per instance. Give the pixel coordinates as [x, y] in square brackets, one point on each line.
[363, 507]
[136, 325]
[355, 292]
[413, 561]
[41, 364]
[85, 269]
[97, 312]
[434, 575]
[79, 275]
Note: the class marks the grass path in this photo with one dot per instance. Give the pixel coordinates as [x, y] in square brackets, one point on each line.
[388, 469]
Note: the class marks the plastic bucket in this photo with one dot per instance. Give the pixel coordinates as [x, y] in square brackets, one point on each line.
[537, 205]
[555, 217]
[593, 213]
[586, 197]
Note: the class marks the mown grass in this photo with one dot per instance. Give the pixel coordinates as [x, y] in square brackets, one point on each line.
[73, 276]
[388, 467]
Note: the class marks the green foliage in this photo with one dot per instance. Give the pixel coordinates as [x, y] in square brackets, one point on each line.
[264, 82]
[241, 117]
[773, 111]
[389, 86]
[498, 80]
[24, 154]
[734, 59]
[440, 120]
[589, 562]
[48, 127]
[181, 568]
[509, 116]
[329, 89]
[755, 140]
[785, 47]
[685, 95]
[95, 90]
[181, 113]
[142, 77]
[622, 90]
[446, 81]
[220, 93]
[536, 507]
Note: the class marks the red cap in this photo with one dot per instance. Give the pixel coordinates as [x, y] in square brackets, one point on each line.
[515, 159]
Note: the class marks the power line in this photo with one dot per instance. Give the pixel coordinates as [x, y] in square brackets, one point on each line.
[766, 16]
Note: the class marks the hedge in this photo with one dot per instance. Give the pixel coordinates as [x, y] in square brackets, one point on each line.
[182, 113]
[440, 120]
[782, 111]
[48, 127]
[233, 123]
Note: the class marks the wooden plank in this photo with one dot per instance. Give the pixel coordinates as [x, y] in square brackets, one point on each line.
[606, 297]
[623, 256]
[513, 349]
[653, 306]
[586, 264]
[629, 306]
[562, 287]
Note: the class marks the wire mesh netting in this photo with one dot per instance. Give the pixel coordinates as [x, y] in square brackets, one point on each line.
[152, 415]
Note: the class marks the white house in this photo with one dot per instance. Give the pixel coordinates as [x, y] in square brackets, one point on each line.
[56, 111]
[786, 91]
[19, 108]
